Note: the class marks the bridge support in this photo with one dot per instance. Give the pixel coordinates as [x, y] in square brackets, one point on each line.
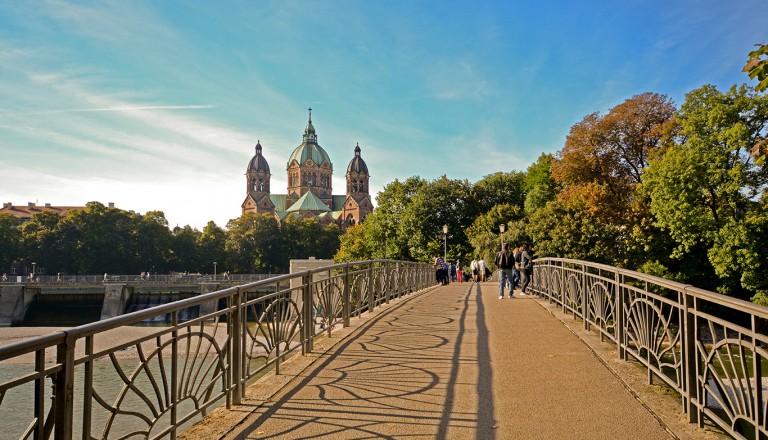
[14, 301]
[116, 297]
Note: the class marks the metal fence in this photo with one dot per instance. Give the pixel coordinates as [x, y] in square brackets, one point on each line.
[708, 347]
[179, 278]
[121, 378]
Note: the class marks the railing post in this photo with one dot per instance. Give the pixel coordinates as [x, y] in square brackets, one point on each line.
[174, 373]
[236, 341]
[346, 304]
[619, 313]
[584, 299]
[387, 287]
[371, 294]
[690, 364]
[308, 318]
[64, 389]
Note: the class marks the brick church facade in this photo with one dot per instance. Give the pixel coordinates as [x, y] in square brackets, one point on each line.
[310, 189]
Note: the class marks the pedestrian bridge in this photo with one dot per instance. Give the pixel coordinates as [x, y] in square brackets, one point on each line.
[375, 350]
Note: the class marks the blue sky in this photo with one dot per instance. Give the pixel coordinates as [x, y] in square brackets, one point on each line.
[157, 105]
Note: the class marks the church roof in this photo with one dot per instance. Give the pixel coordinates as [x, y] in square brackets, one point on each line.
[309, 202]
[309, 148]
[307, 151]
[338, 203]
[357, 165]
[258, 163]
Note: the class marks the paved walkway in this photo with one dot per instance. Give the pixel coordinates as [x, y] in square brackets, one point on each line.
[454, 363]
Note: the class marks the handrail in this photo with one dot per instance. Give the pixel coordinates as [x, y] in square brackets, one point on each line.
[220, 341]
[708, 347]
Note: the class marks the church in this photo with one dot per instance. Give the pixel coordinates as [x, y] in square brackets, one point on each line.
[310, 188]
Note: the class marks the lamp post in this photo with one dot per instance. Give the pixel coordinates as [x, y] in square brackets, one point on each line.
[502, 227]
[214, 271]
[445, 242]
[34, 266]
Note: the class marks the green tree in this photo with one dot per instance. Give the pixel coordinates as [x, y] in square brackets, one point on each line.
[441, 202]
[355, 245]
[186, 256]
[211, 244]
[498, 188]
[43, 243]
[703, 187]
[10, 241]
[484, 234]
[385, 227]
[253, 243]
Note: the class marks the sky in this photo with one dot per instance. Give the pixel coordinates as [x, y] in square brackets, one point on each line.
[157, 105]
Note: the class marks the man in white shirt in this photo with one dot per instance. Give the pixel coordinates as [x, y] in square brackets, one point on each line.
[481, 270]
[473, 268]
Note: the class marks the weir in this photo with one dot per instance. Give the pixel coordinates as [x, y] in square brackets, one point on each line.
[71, 304]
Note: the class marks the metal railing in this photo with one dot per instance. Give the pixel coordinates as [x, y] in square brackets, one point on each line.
[708, 347]
[158, 279]
[117, 379]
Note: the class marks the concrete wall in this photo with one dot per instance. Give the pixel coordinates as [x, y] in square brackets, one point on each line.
[116, 297]
[14, 302]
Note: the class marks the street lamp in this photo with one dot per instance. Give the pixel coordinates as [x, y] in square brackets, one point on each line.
[502, 227]
[445, 242]
[214, 271]
[33, 270]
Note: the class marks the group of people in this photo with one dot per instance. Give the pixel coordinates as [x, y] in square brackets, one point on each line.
[446, 272]
[515, 266]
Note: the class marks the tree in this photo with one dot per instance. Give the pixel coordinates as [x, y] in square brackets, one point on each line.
[441, 202]
[757, 66]
[211, 245]
[498, 188]
[10, 240]
[609, 153]
[385, 226]
[42, 242]
[355, 245]
[703, 187]
[186, 257]
[484, 234]
[253, 243]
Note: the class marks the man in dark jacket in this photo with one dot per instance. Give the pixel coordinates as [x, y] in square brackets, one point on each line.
[505, 262]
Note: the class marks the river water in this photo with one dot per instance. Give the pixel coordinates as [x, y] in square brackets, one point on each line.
[16, 409]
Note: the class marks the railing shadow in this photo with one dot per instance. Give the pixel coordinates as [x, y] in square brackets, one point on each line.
[398, 368]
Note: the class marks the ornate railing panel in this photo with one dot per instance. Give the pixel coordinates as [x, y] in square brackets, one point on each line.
[125, 378]
[708, 347]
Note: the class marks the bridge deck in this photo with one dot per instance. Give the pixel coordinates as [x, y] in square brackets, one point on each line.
[453, 363]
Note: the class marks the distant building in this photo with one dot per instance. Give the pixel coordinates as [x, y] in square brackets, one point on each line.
[310, 189]
[25, 213]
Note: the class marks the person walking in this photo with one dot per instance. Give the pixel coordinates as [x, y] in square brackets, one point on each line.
[439, 269]
[516, 267]
[526, 263]
[473, 268]
[481, 269]
[459, 271]
[505, 262]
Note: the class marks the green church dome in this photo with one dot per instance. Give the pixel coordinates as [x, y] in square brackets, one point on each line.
[310, 149]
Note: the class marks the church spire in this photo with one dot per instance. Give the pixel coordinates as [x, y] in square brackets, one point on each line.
[309, 132]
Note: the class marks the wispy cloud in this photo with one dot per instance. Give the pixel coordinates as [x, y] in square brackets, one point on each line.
[111, 109]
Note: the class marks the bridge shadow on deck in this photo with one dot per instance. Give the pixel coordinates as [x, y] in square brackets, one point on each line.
[455, 363]
[421, 369]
